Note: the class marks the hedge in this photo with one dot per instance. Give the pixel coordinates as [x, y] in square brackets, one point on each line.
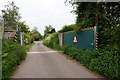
[12, 54]
[52, 41]
[104, 62]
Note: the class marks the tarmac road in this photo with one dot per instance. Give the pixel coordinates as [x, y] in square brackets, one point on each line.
[42, 62]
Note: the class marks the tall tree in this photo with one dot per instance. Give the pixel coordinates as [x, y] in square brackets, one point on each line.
[36, 34]
[11, 15]
[95, 13]
[47, 29]
[23, 27]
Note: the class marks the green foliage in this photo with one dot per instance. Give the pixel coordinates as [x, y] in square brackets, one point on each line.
[12, 54]
[85, 14]
[69, 28]
[52, 41]
[34, 35]
[96, 13]
[11, 14]
[109, 37]
[23, 27]
[47, 30]
[28, 38]
[104, 61]
[37, 36]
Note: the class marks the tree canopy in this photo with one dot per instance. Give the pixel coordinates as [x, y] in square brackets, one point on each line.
[36, 34]
[23, 27]
[87, 13]
[11, 15]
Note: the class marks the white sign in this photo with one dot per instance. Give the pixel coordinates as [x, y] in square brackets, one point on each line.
[75, 40]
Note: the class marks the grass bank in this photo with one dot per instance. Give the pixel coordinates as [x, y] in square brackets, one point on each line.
[12, 54]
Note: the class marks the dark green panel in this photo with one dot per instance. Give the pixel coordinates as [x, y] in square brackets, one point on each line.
[85, 39]
[19, 37]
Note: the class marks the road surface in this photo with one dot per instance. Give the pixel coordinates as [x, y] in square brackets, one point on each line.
[42, 62]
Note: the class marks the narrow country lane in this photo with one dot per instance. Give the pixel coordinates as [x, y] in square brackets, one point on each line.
[42, 62]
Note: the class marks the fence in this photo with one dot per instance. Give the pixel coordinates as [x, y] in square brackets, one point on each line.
[84, 39]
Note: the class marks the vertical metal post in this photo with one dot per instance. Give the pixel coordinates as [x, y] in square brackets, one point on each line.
[21, 38]
[17, 27]
[96, 37]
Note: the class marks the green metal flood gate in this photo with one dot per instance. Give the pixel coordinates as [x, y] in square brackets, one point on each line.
[84, 39]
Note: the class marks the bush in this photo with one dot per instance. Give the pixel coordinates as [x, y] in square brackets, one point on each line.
[68, 28]
[12, 54]
[104, 62]
[52, 41]
[109, 36]
[28, 38]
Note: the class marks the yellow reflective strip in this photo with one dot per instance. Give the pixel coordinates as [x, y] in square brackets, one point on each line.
[15, 40]
[87, 29]
[15, 37]
[15, 33]
[81, 29]
[69, 31]
[96, 38]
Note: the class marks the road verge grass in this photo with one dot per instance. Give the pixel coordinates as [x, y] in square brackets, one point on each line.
[28, 46]
[12, 54]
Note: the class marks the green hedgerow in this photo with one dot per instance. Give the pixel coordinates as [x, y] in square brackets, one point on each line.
[104, 61]
[52, 41]
[12, 54]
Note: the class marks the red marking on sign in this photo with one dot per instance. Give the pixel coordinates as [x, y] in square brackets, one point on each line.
[75, 40]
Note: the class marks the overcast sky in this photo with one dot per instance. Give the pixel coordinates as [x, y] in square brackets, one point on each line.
[39, 13]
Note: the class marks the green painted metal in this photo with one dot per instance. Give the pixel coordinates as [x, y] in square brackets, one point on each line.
[19, 37]
[85, 38]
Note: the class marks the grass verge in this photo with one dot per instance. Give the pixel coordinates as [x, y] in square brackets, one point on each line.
[28, 46]
[12, 54]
